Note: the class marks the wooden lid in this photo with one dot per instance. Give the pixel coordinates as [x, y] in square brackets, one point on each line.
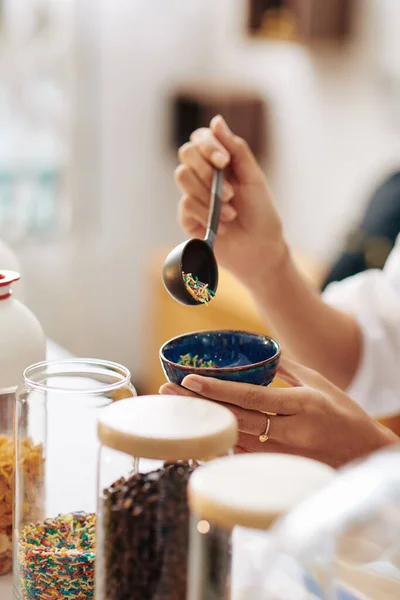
[253, 490]
[168, 428]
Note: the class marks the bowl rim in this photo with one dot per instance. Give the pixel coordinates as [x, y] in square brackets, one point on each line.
[189, 369]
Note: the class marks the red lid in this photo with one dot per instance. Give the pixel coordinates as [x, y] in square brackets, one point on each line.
[7, 278]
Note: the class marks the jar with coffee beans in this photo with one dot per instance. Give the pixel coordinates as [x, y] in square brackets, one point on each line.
[150, 446]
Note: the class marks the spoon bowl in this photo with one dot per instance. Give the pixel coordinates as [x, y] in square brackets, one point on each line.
[195, 256]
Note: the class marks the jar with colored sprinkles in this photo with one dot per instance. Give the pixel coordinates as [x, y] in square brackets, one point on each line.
[150, 447]
[57, 407]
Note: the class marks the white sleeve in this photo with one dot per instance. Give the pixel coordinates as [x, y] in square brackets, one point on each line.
[373, 298]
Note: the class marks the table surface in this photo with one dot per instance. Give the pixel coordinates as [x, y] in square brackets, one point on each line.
[54, 352]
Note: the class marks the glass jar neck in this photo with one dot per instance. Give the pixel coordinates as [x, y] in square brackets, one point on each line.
[80, 376]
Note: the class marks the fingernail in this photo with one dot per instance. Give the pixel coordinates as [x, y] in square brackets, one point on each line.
[223, 125]
[193, 383]
[228, 213]
[165, 389]
[219, 160]
[227, 193]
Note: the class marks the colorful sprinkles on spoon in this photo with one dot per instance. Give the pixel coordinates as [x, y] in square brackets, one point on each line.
[197, 289]
[187, 360]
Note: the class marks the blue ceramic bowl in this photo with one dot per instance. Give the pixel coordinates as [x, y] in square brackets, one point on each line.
[239, 355]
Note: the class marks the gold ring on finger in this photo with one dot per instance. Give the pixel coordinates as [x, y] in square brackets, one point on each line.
[265, 436]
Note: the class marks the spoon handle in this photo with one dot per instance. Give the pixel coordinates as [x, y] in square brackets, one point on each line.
[215, 207]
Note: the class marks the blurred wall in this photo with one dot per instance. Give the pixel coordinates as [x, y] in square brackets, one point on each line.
[91, 290]
[330, 141]
[332, 138]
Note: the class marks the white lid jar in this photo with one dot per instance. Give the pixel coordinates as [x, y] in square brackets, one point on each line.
[22, 341]
[246, 493]
[10, 262]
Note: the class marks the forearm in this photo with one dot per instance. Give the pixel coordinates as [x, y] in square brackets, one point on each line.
[311, 331]
[386, 437]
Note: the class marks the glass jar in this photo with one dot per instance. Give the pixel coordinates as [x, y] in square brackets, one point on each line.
[230, 500]
[7, 399]
[22, 342]
[150, 447]
[344, 542]
[57, 408]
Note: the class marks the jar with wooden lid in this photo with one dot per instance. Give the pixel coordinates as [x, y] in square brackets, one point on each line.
[150, 447]
[233, 498]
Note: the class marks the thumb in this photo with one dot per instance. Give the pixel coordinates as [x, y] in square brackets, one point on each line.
[243, 162]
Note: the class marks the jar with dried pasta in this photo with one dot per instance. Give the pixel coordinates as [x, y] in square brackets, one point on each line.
[21, 342]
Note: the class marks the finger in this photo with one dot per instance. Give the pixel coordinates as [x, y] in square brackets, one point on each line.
[190, 184]
[197, 230]
[192, 209]
[239, 450]
[190, 156]
[193, 228]
[192, 187]
[251, 443]
[283, 401]
[255, 423]
[243, 161]
[171, 389]
[249, 421]
[212, 150]
[248, 443]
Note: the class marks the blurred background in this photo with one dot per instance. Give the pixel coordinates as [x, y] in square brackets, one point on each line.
[95, 98]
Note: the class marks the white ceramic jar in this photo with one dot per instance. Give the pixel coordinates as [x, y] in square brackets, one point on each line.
[10, 262]
[22, 341]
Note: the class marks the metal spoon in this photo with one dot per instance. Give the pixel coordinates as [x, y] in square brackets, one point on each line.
[196, 256]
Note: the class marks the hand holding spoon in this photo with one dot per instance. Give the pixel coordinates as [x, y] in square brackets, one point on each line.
[196, 256]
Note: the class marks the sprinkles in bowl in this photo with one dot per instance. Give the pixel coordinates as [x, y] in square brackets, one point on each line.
[187, 360]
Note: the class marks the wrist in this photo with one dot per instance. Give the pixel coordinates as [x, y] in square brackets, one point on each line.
[380, 437]
[386, 437]
[272, 268]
